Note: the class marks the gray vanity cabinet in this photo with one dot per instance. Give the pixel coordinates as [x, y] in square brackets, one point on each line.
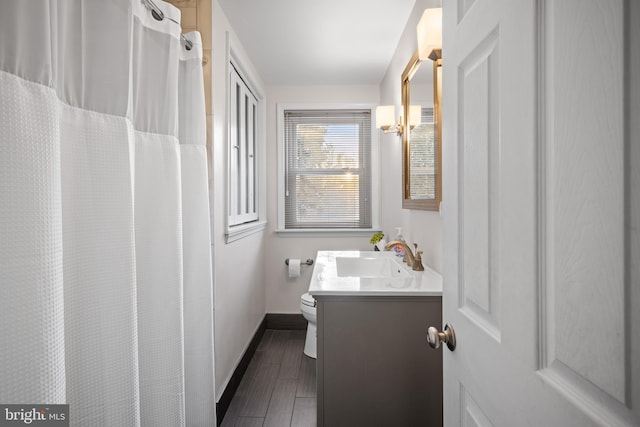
[374, 365]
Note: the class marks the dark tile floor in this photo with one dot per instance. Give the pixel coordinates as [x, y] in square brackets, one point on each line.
[279, 387]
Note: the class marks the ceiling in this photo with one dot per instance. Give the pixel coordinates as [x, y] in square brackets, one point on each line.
[319, 42]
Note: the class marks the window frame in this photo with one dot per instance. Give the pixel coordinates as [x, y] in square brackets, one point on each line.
[282, 165]
[239, 226]
[243, 204]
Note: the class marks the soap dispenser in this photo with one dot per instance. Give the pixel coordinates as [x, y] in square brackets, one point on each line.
[398, 249]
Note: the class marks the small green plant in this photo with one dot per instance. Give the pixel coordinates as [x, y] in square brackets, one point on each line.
[376, 238]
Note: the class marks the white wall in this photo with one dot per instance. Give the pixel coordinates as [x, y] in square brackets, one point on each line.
[422, 227]
[283, 293]
[238, 266]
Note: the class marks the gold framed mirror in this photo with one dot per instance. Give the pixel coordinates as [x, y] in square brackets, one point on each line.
[422, 134]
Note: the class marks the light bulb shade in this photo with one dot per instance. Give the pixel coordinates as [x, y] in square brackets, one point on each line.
[385, 116]
[415, 115]
[429, 32]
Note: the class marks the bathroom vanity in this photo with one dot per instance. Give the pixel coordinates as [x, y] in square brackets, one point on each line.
[374, 366]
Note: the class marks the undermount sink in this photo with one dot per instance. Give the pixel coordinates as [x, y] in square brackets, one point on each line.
[370, 267]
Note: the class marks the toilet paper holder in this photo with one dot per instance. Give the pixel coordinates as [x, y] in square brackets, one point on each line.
[307, 262]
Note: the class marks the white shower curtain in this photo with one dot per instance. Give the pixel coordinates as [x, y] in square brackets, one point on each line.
[105, 272]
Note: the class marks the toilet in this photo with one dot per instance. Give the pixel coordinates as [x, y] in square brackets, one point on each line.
[308, 308]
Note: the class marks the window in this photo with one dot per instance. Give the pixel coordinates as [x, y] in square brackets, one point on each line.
[246, 172]
[327, 174]
[243, 197]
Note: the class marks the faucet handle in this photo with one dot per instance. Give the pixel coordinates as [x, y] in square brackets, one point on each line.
[417, 263]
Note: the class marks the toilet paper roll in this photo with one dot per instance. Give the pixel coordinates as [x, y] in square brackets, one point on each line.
[294, 267]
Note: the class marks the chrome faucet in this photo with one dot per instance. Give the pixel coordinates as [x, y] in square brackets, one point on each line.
[414, 262]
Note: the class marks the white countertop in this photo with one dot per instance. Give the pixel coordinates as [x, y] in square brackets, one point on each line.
[326, 281]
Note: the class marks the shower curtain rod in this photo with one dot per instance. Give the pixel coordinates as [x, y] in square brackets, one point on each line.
[158, 14]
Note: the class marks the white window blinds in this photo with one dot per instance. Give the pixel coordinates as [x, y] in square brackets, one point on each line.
[327, 169]
[423, 157]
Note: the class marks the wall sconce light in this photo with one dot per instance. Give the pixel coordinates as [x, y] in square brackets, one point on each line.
[430, 35]
[385, 118]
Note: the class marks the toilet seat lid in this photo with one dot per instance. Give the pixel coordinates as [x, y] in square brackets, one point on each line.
[308, 300]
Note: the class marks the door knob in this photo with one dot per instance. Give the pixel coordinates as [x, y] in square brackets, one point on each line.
[435, 338]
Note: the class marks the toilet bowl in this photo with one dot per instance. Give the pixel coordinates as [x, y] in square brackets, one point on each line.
[308, 308]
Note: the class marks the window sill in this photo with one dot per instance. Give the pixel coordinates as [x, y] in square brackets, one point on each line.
[327, 232]
[237, 232]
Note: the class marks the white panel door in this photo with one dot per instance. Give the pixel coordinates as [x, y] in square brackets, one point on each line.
[540, 212]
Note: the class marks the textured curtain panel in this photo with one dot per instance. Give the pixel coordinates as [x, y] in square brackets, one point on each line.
[105, 273]
[197, 277]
